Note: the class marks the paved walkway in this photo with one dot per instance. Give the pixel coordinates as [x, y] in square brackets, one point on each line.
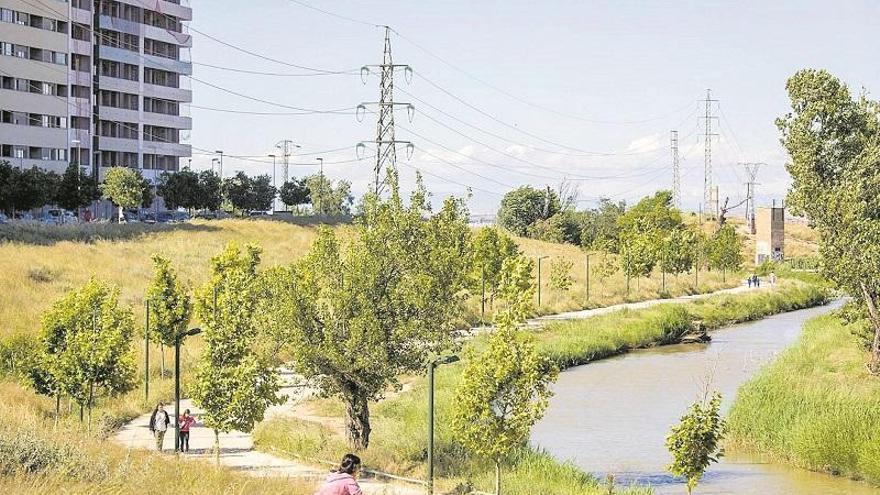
[237, 448]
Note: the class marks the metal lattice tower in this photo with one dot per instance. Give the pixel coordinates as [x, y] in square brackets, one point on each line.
[711, 207]
[752, 174]
[286, 146]
[385, 142]
[676, 170]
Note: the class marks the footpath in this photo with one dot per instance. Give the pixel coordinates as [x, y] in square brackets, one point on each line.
[237, 448]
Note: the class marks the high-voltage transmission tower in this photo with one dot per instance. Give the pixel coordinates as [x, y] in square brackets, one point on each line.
[709, 199]
[752, 175]
[286, 146]
[676, 170]
[385, 142]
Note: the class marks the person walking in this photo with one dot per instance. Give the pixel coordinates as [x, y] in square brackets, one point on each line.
[343, 480]
[159, 422]
[185, 421]
[749, 279]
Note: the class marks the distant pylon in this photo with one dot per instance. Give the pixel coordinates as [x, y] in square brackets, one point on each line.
[676, 170]
[286, 146]
[752, 174]
[385, 142]
[711, 208]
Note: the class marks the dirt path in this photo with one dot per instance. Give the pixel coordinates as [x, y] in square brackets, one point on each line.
[237, 448]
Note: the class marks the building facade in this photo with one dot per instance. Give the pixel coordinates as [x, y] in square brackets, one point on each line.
[769, 234]
[97, 82]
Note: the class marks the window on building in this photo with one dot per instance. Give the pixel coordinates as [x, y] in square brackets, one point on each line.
[78, 91]
[161, 77]
[158, 105]
[161, 49]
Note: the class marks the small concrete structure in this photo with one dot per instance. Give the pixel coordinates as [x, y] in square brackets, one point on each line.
[770, 234]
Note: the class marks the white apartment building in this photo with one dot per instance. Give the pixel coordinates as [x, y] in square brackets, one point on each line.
[98, 82]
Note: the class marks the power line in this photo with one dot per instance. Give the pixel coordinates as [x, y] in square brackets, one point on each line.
[351, 72]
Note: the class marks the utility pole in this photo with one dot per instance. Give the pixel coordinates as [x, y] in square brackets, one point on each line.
[676, 171]
[286, 146]
[711, 208]
[752, 175]
[385, 142]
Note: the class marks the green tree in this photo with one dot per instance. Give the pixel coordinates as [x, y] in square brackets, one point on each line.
[638, 255]
[170, 308]
[694, 442]
[724, 251]
[524, 206]
[209, 195]
[233, 383]
[262, 193]
[651, 214]
[26, 189]
[124, 187]
[601, 231]
[358, 316]
[87, 335]
[327, 198]
[295, 192]
[237, 192]
[833, 141]
[76, 189]
[676, 252]
[490, 247]
[560, 274]
[506, 389]
[179, 189]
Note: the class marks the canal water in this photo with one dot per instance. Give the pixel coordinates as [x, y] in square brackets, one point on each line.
[612, 416]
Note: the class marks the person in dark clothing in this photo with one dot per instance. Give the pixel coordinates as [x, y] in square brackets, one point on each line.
[159, 422]
[186, 421]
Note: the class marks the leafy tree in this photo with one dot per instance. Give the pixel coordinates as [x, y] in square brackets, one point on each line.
[638, 255]
[7, 172]
[208, 196]
[505, 389]
[76, 189]
[524, 206]
[490, 247]
[262, 193]
[87, 337]
[26, 189]
[124, 187]
[694, 442]
[179, 189]
[233, 383]
[560, 274]
[295, 192]
[724, 251]
[601, 229]
[147, 195]
[677, 252]
[833, 141]
[328, 199]
[237, 191]
[169, 302]
[651, 214]
[360, 315]
[546, 230]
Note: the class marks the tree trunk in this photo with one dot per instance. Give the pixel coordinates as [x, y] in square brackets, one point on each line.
[217, 447]
[497, 477]
[57, 407]
[162, 353]
[121, 216]
[357, 420]
[874, 317]
[91, 399]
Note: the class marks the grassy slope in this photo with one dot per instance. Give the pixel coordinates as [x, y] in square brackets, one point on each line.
[569, 343]
[815, 407]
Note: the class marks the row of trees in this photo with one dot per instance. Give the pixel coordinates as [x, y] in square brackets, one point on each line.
[26, 189]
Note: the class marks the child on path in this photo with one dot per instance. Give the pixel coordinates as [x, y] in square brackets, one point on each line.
[159, 422]
[186, 421]
[343, 481]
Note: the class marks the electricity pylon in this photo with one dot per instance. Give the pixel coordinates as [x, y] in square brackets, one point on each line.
[710, 202]
[752, 174]
[385, 142]
[676, 171]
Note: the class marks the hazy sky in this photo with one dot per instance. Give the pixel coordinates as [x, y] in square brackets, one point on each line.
[598, 76]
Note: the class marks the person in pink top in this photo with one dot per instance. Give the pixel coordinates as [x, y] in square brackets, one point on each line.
[343, 481]
[186, 421]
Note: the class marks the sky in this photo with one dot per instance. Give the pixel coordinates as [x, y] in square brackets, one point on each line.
[521, 92]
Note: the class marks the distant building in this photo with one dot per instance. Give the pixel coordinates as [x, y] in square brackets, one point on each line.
[770, 234]
[100, 83]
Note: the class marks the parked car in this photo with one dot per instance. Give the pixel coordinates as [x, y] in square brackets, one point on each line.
[57, 216]
[165, 217]
[258, 213]
[180, 216]
[3, 218]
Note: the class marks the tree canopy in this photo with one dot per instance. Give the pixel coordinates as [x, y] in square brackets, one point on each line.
[524, 206]
[833, 141]
[76, 188]
[125, 187]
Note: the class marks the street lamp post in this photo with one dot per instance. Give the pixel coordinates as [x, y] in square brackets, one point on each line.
[539, 278]
[213, 161]
[76, 143]
[220, 152]
[274, 184]
[188, 333]
[321, 189]
[432, 365]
